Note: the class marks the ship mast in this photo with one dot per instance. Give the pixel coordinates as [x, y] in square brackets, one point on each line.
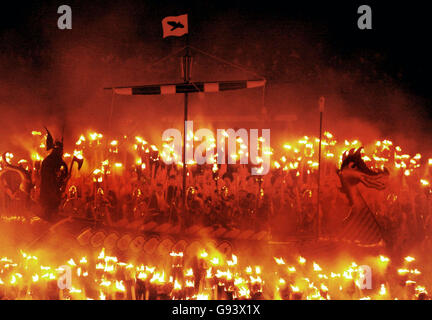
[186, 68]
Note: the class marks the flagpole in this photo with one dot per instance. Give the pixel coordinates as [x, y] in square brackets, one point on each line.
[321, 103]
[184, 149]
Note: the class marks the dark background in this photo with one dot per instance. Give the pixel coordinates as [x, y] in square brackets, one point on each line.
[375, 81]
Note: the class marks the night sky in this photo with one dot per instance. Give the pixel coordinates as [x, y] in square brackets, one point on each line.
[112, 42]
[400, 32]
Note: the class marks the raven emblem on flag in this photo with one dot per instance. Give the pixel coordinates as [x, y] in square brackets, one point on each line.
[175, 26]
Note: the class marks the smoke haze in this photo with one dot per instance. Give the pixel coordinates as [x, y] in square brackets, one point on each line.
[56, 77]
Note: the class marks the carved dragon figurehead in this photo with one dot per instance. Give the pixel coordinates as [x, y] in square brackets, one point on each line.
[25, 176]
[354, 170]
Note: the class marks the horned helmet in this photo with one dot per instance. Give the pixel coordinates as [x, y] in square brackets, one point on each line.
[56, 145]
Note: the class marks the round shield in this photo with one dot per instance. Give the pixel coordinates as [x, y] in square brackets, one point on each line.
[180, 246]
[225, 247]
[165, 246]
[151, 245]
[84, 237]
[123, 242]
[137, 244]
[194, 248]
[97, 239]
[111, 240]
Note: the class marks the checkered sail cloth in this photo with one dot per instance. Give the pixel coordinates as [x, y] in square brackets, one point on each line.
[162, 89]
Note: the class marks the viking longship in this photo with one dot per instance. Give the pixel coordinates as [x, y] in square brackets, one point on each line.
[361, 227]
